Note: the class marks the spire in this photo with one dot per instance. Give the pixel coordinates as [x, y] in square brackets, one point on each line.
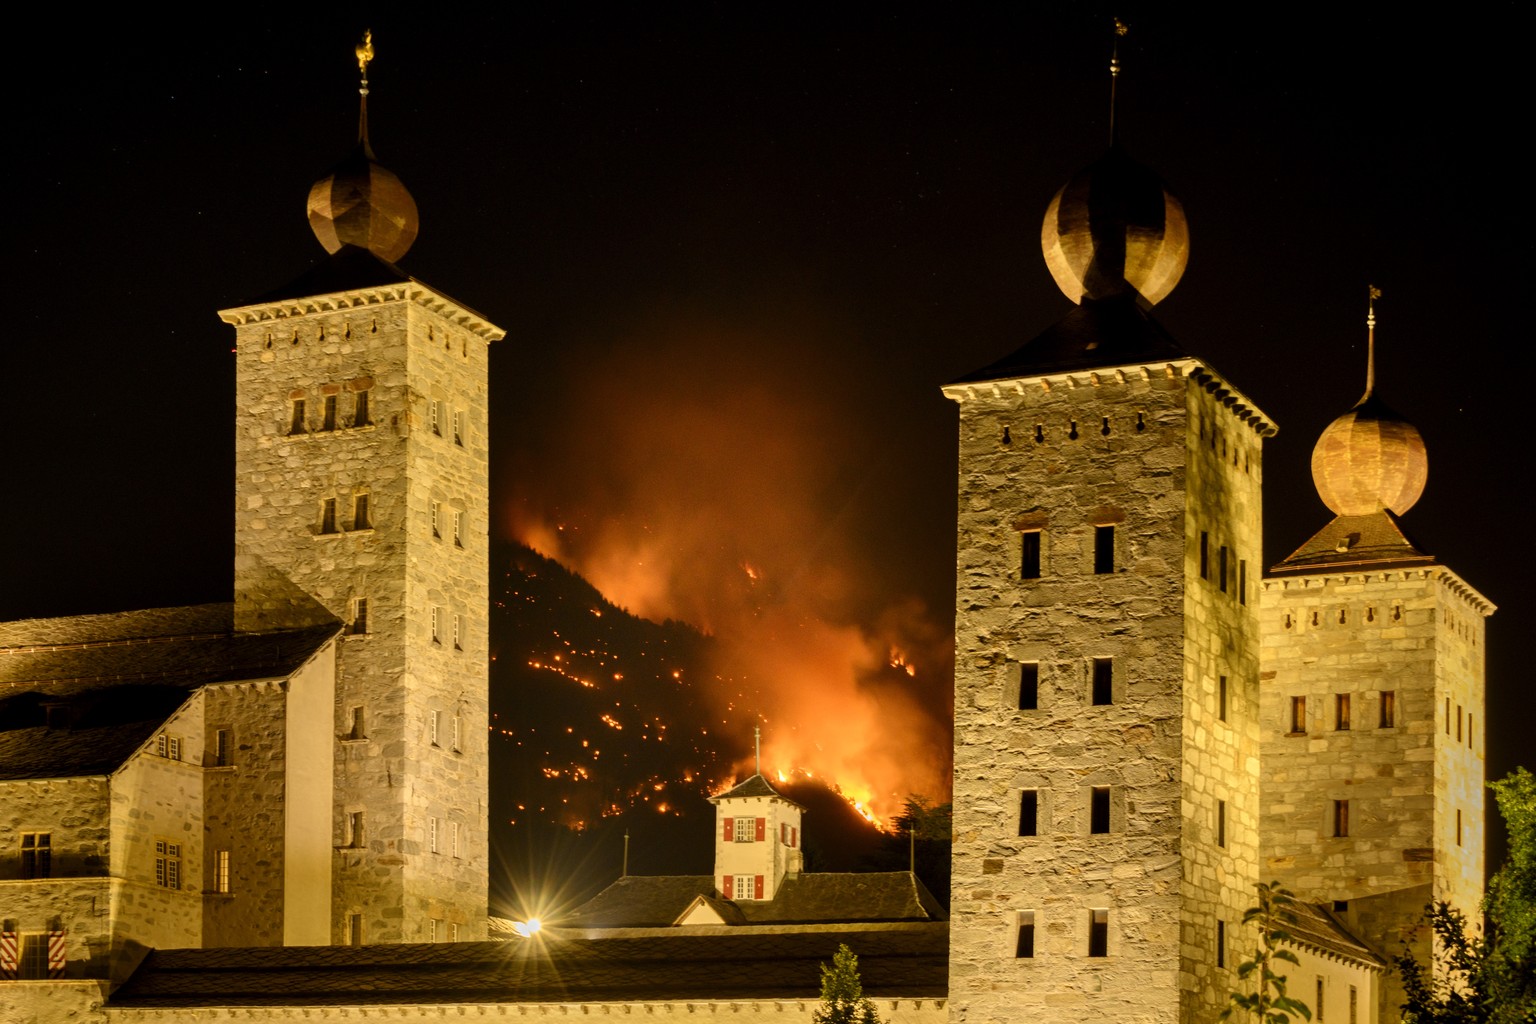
[1121, 28]
[757, 744]
[364, 53]
[1370, 341]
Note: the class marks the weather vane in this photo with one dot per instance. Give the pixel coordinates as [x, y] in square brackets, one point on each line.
[364, 55]
[1121, 28]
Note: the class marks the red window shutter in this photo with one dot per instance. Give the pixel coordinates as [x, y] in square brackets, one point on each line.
[726, 889]
[757, 886]
[762, 829]
[57, 954]
[729, 826]
[9, 955]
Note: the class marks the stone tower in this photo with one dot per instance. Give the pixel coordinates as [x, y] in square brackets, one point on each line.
[1372, 704]
[362, 496]
[1107, 643]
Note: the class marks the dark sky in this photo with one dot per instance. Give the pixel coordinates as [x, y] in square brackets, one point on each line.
[791, 228]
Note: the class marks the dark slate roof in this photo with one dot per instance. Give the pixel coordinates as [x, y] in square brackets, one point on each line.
[113, 679]
[656, 901]
[1376, 541]
[901, 961]
[640, 901]
[1111, 332]
[755, 786]
[1317, 928]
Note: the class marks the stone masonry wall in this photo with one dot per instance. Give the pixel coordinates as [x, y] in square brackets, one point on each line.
[1061, 456]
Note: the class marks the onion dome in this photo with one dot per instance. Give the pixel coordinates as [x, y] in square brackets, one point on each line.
[1370, 458]
[1114, 230]
[361, 203]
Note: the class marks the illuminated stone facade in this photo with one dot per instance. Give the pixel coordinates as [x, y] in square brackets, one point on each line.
[362, 496]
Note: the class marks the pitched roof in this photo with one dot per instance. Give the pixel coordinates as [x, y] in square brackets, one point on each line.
[1316, 928]
[907, 961]
[656, 901]
[113, 679]
[1109, 332]
[1374, 541]
[755, 786]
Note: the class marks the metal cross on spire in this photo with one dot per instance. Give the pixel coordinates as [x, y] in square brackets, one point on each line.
[364, 53]
[1370, 341]
[1121, 28]
[757, 744]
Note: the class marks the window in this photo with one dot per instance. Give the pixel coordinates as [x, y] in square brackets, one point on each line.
[458, 528]
[357, 732]
[1098, 933]
[167, 864]
[746, 830]
[458, 730]
[436, 411]
[435, 724]
[1341, 818]
[36, 854]
[1103, 549]
[221, 871]
[1319, 1002]
[355, 929]
[1029, 812]
[1029, 564]
[1221, 698]
[328, 413]
[296, 420]
[1242, 581]
[437, 519]
[1221, 823]
[355, 829]
[360, 518]
[437, 624]
[1205, 555]
[1469, 729]
[453, 838]
[1024, 946]
[432, 834]
[1354, 1006]
[220, 748]
[360, 409]
[1458, 826]
[1341, 712]
[1029, 686]
[168, 746]
[1298, 715]
[328, 515]
[453, 931]
[458, 631]
[359, 616]
[743, 887]
[1447, 716]
[458, 428]
[1103, 680]
[1098, 810]
[432, 929]
[1221, 943]
[1388, 709]
[1221, 568]
[1458, 723]
[33, 962]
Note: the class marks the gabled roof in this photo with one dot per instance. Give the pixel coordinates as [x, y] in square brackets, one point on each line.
[658, 901]
[707, 909]
[1374, 541]
[107, 682]
[1318, 930]
[901, 961]
[755, 786]
[1110, 332]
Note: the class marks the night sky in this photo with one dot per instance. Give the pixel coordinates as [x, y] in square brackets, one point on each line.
[736, 253]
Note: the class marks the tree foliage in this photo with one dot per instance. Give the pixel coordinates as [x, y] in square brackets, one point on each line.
[1487, 978]
[1269, 1003]
[842, 994]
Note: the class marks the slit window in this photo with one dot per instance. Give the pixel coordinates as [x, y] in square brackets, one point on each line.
[1024, 944]
[221, 872]
[1098, 932]
[328, 515]
[1242, 581]
[1103, 549]
[1458, 826]
[1458, 723]
[1298, 716]
[1340, 819]
[1221, 698]
[1103, 680]
[1469, 730]
[1221, 823]
[1098, 810]
[360, 517]
[360, 409]
[1221, 568]
[1319, 1002]
[220, 748]
[1341, 712]
[1029, 686]
[1029, 812]
[355, 929]
[1221, 943]
[355, 829]
[296, 417]
[1388, 709]
[328, 413]
[358, 730]
[1029, 565]
[1205, 555]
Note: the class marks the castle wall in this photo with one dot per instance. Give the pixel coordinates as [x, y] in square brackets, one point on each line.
[1060, 457]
